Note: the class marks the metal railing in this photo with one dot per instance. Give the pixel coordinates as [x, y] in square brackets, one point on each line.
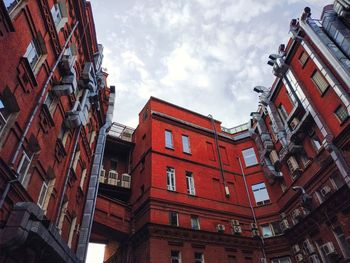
[236, 129]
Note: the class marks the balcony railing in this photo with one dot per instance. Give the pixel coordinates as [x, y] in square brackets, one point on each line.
[237, 129]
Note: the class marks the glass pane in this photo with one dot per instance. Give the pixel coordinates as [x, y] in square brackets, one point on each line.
[168, 139]
[249, 157]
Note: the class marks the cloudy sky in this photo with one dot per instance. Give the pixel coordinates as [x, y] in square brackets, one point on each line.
[205, 55]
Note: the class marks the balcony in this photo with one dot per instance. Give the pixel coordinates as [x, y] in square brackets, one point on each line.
[121, 132]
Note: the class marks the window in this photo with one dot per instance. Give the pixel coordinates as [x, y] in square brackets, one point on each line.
[319, 81]
[186, 144]
[23, 168]
[11, 4]
[32, 55]
[249, 157]
[63, 135]
[303, 58]
[42, 195]
[276, 227]
[281, 260]
[190, 184]
[50, 103]
[175, 256]
[114, 164]
[71, 231]
[198, 257]
[260, 194]
[59, 14]
[62, 216]
[342, 113]
[342, 242]
[170, 172]
[283, 113]
[316, 143]
[4, 116]
[195, 222]
[210, 151]
[224, 156]
[169, 140]
[76, 160]
[337, 181]
[266, 230]
[173, 218]
[82, 179]
[46, 201]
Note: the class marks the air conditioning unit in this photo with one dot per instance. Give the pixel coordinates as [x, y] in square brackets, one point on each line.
[234, 222]
[296, 249]
[263, 260]
[126, 181]
[294, 123]
[293, 165]
[328, 248]
[314, 259]
[274, 157]
[88, 77]
[325, 191]
[220, 228]
[112, 177]
[253, 226]
[102, 176]
[284, 224]
[67, 86]
[299, 257]
[237, 229]
[308, 247]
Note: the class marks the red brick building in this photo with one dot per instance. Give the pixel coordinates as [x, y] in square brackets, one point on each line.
[273, 190]
[53, 104]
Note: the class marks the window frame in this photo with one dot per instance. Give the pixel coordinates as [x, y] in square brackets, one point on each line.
[42, 194]
[317, 83]
[199, 259]
[282, 112]
[303, 62]
[23, 177]
[195, 225]
[245, 156]
[261, 201]
[169, 136]
[171, 179]
[340, 119]
[3, 118]
[30, 48]
[18, 2]
[59, 10]
[171, 222]
[186, 147]
[191, 190]
[175, 257]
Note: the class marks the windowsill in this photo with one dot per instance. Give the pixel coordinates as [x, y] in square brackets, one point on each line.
[250, 166]
[344, 121]
[191, 195]
[174, 191]
[187, 153]
[169, 148]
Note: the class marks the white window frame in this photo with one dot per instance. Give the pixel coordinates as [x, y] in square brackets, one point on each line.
[3, 119]
[177, 218]
[259, 191]
[195, 222]
[169, 143]
[71, 231]
[190, 183]
[263, 226]
[186, 144]
[23, 177]
[82, 179]
[249, 154]
[283, 113]
[42, 195]
[13, 7]
[199, 259]
[171, 181]
[62, 215]
[59, 14]
[178, 257]
[76, 160]
[32, 55]
[51, 186]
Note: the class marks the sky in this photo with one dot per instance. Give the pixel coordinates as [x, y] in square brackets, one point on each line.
[204, 55]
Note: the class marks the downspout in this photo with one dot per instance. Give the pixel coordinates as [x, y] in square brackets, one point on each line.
[227, 191]
[262, 246]
[91, 195]
[42, 95]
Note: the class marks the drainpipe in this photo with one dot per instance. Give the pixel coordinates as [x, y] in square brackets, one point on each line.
[91, 195]
[227, 191]
[262, 246]
[43, 96]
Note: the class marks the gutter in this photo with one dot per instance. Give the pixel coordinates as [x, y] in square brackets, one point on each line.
[91, 195]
